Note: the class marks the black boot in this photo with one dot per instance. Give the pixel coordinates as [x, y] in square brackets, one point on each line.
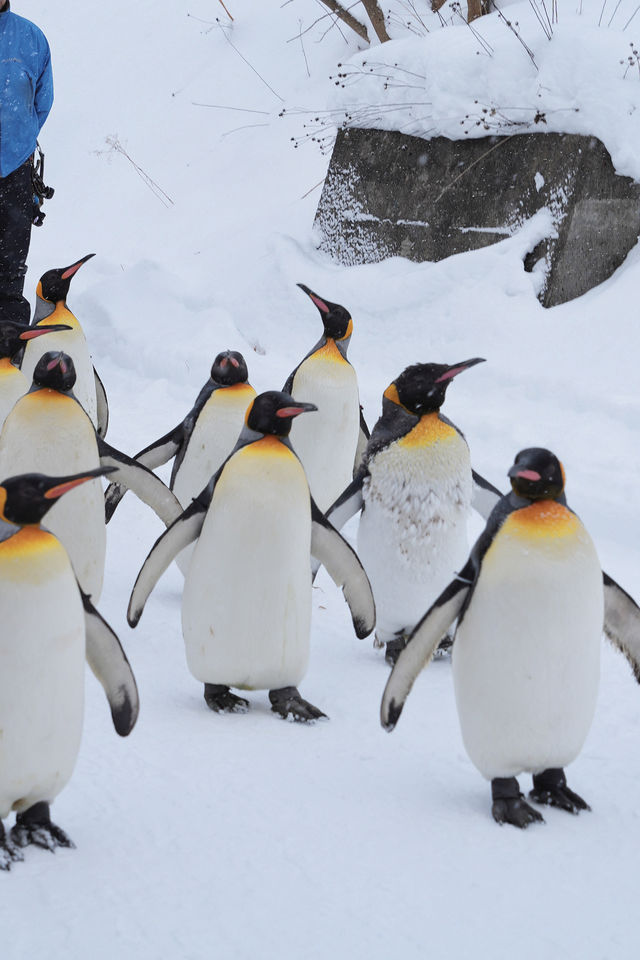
[550, 787]
[509, 805]
[218, 697]
[289, 704]
[35, 826]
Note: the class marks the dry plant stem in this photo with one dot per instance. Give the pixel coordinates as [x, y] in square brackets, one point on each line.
[225, 10]
[347, 18]
[376, 16]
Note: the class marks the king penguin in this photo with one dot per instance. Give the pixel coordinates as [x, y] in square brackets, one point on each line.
[13, 338]
[328, 445]
[49, 626]
[530, 607]
[415, 489]
[203, 440]
[50, 432]
[246, 606]
[51, 308]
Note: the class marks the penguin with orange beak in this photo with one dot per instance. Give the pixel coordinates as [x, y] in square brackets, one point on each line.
[203, 440]
[246, 606]
[13, 339]
[531, 604]
[51, 309]
[49, 627]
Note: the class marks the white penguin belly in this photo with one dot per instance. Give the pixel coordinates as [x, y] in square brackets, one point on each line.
[527, 653]
[412, 535]
[48, 432]
[73, 343]
[212, 440]
[42, 651]
[13, 385]
[326, 440]
[246, 608]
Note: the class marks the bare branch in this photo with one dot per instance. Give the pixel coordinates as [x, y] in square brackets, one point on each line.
[377, 19]
[348, 18]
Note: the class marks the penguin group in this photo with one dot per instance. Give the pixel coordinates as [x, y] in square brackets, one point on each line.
[260, 487]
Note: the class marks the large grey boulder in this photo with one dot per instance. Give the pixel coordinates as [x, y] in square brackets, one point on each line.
[388, 194]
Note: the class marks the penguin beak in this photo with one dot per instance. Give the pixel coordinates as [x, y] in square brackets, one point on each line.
[457, 368]
[58, 362]
[294, 409]
[73, 269]
[524, 474]
[229, 360]
[322, 306]
[64, 484]
[39, 331]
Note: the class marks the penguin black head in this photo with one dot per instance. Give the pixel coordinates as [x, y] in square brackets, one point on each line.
[537, 474]
[336, 319]
[56, 371]
[273, 411]
[421, 388]
[54, 284]
[229, 367]
[14, 335]
[25, 499]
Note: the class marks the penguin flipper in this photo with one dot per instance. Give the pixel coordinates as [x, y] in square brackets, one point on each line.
[179, 535]
[149, 488]
[345, 569]
[102, 405]
[364, 436]
[346, 506]
[485, 495]
[155, 455]
[622, 622]
[348, 503]
[162, 450]
[109, 663]
[421, 646]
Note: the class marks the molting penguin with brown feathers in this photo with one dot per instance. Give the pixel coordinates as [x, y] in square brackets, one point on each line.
[415, 489]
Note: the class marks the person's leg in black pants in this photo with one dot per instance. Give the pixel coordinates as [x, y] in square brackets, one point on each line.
[16, 213]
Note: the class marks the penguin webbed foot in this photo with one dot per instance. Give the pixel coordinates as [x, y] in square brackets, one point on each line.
[9, 853]
[509, 805]
[444, 647]
[219, 698]
[395, 647]
[288, 704]
[550, 788]
[35, 826]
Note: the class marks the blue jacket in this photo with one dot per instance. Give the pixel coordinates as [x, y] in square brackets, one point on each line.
[26, 88]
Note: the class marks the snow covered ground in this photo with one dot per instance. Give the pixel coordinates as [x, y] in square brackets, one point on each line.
[244, 836]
